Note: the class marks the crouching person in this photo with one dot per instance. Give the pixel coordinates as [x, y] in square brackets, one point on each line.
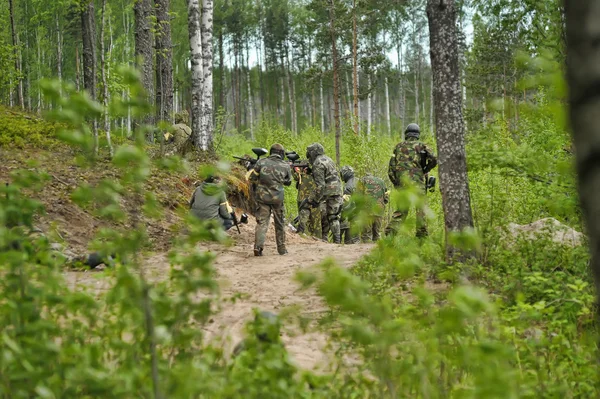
[209, 202]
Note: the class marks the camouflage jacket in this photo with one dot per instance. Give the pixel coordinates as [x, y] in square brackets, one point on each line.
[326, 178]
[270, 175]
[411, 159]
[304, 183]
[374, 187]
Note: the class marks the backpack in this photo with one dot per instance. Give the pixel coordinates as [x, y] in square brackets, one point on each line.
[406, 161]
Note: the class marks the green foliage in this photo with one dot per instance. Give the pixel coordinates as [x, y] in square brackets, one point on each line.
[19, 129]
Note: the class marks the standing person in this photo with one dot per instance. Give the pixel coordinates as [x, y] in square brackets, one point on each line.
[410, 163]
[269, 176]
[209, 202]
[347, 175]
[374, 187]
[308, 216]
[329, 189]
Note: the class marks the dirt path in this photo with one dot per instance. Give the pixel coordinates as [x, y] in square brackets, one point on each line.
[264, 282]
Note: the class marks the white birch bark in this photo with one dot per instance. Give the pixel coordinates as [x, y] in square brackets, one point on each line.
[369, 104]
[105, 94]
[207, 66]
[199, 137]
[322, 105]
[387, 106]
[250, 99]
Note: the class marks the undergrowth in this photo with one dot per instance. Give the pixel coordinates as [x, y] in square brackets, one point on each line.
[516, 322]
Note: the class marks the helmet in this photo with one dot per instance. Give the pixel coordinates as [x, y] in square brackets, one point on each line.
[277, 149]
[347, 173]
[313, 151]
[182, 117]
[412, 130]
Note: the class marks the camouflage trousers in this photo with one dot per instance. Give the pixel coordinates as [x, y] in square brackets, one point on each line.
[373, 231]
[331, 208]
[309, 221]
[399, 216]
[263, 218]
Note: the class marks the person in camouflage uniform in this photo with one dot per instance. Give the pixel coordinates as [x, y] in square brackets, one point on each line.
[410, 164]
[329, 190]
[347, 175]
[269, 176]
[178, 135]
[308, 216]
[209, 202]
[374, 187]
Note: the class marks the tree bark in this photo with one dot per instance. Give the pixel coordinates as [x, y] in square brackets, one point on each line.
[164, 62]
[199, 136]
[369, 104]
[355, 67]
[449, 122]
[144, 49]
[59, 51]
[88, 30]
[221, 70]
[291, 97]
[15, 40]
[322, 105]
[207, 69]
[105, 92]
[336, 83]
[77, 73]
[250, 99]
[583, 77]
[387, 107]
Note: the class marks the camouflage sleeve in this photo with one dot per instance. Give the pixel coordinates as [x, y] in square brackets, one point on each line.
[431, 161]
[255, 173]
[392, 170]
[319, 177]
[288, 177]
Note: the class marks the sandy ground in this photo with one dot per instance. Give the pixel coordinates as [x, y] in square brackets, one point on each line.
[265, 283]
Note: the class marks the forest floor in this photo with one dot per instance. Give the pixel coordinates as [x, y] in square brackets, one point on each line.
[266, 283]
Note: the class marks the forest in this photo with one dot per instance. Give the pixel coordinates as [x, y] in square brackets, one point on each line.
[113, 111]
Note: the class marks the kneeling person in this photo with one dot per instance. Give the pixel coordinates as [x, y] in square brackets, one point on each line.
[209, 202]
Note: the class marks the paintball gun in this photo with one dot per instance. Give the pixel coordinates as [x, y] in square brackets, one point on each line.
[294, 157]
[236, 222]
[430, 183]
[250, 162]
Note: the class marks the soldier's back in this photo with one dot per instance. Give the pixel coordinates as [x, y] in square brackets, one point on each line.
[273, 174]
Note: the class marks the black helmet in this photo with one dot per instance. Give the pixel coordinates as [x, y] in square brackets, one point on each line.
[277, 149]
[412, 130]
[347, 173]
[313, 151]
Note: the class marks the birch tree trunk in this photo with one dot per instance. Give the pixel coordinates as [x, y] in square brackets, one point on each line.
[369, 104]
[387, 107]
[336, 83]
[291, 98]
[199, 136]
[322, 105]
[59, 51]
[88, 30]
[250, 99]
[583, 77]
[355, 67]
[449, 122]
[15, 40]
[164, 62]
[77, 73]
[105, 93]
[144, 49]
[207, 69]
